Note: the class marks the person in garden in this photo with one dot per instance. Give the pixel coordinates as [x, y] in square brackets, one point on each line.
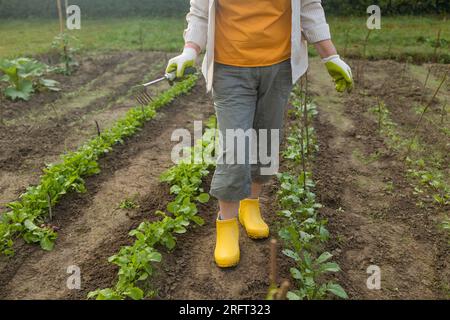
[255, 50]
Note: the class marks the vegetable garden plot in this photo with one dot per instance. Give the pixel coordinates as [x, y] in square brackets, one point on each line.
[367, 200]
[52, 124]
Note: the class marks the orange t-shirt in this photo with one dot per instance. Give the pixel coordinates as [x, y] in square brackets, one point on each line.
[251, 33]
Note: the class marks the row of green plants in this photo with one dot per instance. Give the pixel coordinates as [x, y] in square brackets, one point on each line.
[29, 216]
[137, 262]
[424, 172]
[303, 231]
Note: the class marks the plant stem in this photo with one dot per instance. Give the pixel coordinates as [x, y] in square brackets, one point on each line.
[365, 42]
[2, 122]
[50, 214]
[379, 114]
[52, 105]
[302, 148]
[443, 112]
[61, 32]
[423, 113]
[98, 128]
[437, 46]
[305, 114]
[141, 38]
[61, 21]
[66, 5]
[389, 50]
[425, 84]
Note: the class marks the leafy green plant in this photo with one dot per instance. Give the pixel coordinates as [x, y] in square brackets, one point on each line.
[26, 217]
[306, 273]
[424, 172]
[24, 76]
[65, 44]
[302, 230]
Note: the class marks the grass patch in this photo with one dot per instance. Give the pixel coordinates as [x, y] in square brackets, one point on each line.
[35, 36]
[400, 38]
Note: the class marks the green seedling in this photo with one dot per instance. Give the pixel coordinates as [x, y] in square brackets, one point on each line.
[128, 204]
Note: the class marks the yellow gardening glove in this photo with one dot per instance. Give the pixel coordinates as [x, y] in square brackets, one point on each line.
[181, 62]
[340, 72]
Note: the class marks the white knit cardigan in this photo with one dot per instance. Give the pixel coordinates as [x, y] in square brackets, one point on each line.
[308, 25]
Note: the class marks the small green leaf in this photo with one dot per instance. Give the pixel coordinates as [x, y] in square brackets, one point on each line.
[330, 267]
[135, 293]
[175, 189]
[47, 244]
[203, 198]
[291, 254]
[155, 256]
[198, 220]
[296, 274]
[292, 296]
[29, 225]
[172, 207]
[324, 257]
[337, 290]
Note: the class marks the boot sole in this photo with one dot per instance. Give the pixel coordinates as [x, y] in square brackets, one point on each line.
[257, 237]
[228, 265]
[223, 266]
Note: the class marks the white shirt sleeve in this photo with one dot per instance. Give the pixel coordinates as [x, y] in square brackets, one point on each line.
[197, 19]
[313, 21]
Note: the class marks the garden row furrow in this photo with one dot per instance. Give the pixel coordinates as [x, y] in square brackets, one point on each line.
[29, 216]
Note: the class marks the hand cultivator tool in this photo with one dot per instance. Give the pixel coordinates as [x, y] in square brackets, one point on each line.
[140, 91]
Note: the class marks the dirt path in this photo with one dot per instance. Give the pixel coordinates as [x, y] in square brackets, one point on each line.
[369, 203]
[38, 135]
[92, 226]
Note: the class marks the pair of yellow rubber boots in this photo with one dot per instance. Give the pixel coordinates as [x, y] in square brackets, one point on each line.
[227, 251]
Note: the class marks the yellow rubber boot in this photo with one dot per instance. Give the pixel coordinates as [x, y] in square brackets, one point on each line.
[227, 252]
[250, 218]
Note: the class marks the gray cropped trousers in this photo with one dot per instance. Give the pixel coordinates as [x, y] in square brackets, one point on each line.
[247, 98]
